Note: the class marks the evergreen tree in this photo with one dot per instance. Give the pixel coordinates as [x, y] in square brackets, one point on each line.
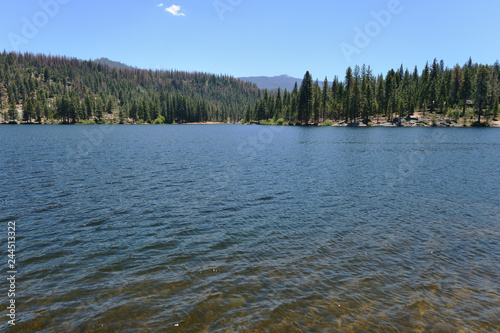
[109, 108]
[348, 86]
[434, 84]
[46, 74]
[316, 101]
[369, 104]
[12, 113]
[355, 99]
[305, 99]
[38, 111]
[390, 95]
[495, 108]
[482, 87]
[99, 109]
[325, 98]
[122, 114]
[294, 105]
[279, 106]
[3, 94]
[248, 114]
[442, 96]
[458, 80]
[28, 110]
[466, 88]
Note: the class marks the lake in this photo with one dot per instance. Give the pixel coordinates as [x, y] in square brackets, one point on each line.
[221, 228]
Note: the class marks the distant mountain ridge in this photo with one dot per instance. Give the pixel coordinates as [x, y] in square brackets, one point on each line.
[272, 83]
[113, 64]
[265, 82]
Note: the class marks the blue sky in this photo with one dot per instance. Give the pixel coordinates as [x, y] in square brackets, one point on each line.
[251, 38]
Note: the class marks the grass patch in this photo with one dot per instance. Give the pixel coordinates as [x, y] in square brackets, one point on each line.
[267, 122]
[85, 122]
[327, 122]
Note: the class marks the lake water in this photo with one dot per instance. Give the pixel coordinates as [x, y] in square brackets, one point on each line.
[249, 228]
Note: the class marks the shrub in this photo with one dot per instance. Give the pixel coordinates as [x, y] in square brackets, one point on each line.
[267, 122]
[434, 121]
[160, 120]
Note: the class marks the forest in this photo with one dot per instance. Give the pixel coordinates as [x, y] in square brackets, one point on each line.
[54, 89]
[470, 91]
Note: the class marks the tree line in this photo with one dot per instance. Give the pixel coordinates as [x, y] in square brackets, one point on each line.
[53, 88]
[360, 96]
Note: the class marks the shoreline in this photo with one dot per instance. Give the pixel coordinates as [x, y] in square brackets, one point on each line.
[386, 124]
[417, 120]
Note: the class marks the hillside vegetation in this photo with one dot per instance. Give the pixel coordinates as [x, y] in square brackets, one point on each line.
[52, 89]
[466, 94]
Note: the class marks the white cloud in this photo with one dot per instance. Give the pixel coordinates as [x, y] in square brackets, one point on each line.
[174, 10]
[159, 5]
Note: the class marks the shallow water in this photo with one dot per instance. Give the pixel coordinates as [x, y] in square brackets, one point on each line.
[226, 228]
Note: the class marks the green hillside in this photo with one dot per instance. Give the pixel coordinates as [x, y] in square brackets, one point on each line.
[47, 89]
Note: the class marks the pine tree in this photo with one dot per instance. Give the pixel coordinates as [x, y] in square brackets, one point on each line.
[38, 111]
[325, 98]
[3, 94]
[442, 96]
[279, 105]
[369, 103]
[390, 95]
[466, 89]
[458, 80]
[99, 109]
[46, 75]
[482, 87]
[109, 108]
[12, 113]
[348, 86]
[295, 103]
[495, 108]
[305, 99]
[248, 114]
[316, 101]
[355, 100]
[28, 110]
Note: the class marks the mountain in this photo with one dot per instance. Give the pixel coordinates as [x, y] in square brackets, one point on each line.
[112, 63]
[272, 83]
[275, 82]
[52, 89]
